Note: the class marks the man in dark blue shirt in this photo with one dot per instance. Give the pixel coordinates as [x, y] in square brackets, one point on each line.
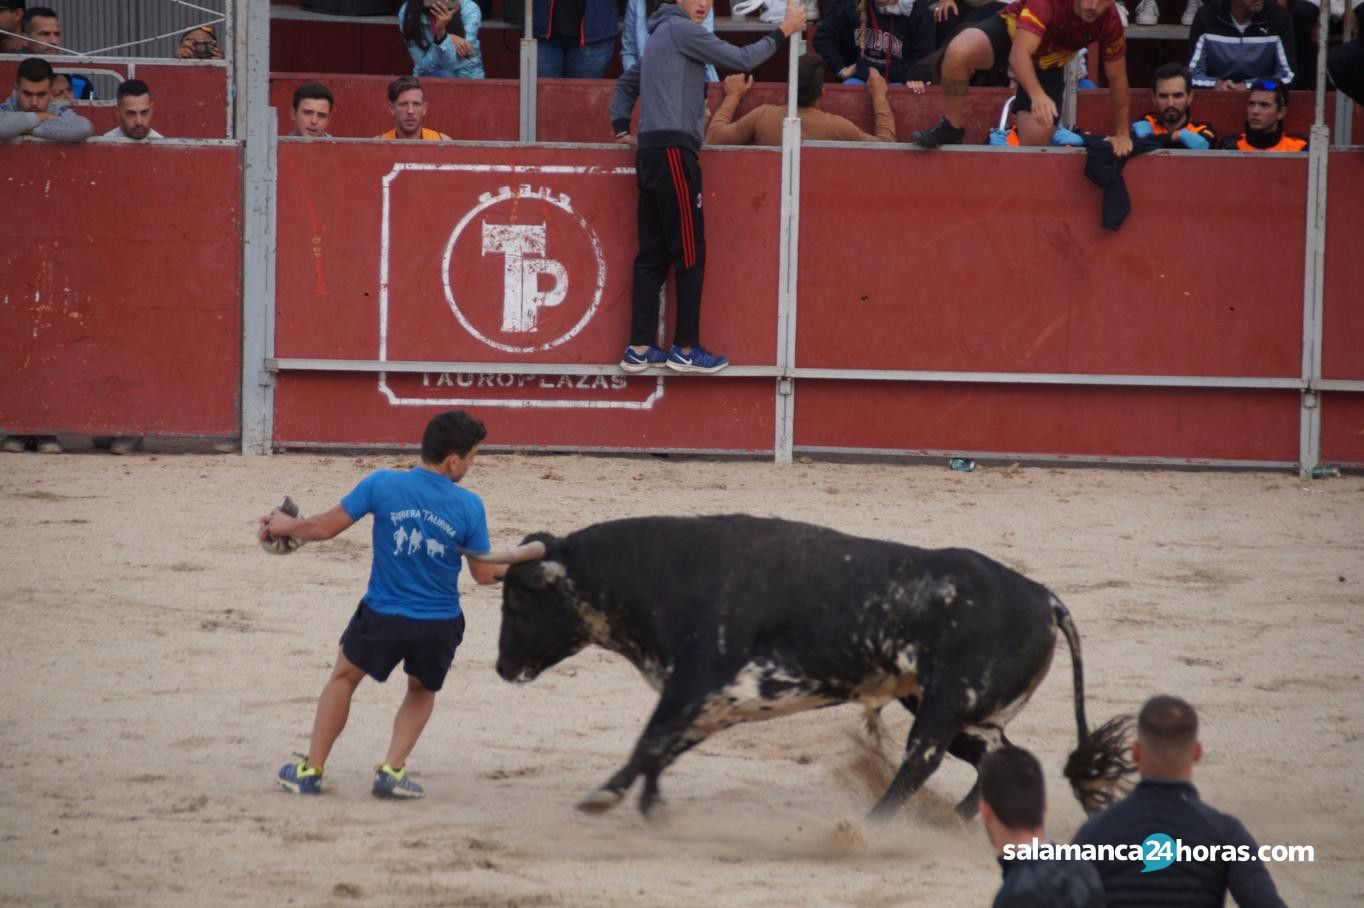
[1012, 802]
[1166, 804]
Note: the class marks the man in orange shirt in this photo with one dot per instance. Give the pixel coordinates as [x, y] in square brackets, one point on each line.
[1037, 38]
[763, 125]
[407, 101]
[1266, 106]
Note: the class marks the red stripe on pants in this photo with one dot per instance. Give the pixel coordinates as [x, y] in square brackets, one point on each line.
[684, 207]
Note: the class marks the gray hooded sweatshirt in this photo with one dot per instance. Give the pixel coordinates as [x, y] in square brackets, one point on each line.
[66, 125]
[669, 81]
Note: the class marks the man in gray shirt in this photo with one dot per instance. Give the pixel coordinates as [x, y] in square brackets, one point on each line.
[30, 110]
[669, 81]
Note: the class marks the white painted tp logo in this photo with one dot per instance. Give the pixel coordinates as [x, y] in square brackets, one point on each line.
[524, 249]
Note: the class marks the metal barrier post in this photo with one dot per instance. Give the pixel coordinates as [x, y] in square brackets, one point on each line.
[529, 74]
[258, 229]
[789, 259]
[1314, 269]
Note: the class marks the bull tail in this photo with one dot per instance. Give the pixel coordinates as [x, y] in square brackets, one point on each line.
[1098, 769]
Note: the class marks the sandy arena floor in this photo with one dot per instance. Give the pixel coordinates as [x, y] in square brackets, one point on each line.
[157, 668]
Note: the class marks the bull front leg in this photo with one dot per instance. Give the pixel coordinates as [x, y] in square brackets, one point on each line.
[670, 733]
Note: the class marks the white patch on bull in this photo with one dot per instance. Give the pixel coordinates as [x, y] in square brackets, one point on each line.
[552, 571]
[720, 637]
[948, 592]
[971, 696]
[906, 660]
[930, 753]
[742, 699]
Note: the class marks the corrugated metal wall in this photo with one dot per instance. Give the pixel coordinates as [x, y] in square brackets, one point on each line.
[91, 25]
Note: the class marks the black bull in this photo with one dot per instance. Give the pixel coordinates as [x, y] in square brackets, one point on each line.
[737, 618]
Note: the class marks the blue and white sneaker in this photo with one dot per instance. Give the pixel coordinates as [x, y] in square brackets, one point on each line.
[638, 362]
[300, 778]
[394, 783]
[698, 360]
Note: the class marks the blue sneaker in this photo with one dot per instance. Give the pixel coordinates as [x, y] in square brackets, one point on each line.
[638, 362]
[698, 360]
[300, 778]
[394, 783]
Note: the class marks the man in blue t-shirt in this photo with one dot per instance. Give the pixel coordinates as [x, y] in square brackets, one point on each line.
[410, 612]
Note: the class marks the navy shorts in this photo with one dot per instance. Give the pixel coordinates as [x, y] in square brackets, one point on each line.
[377, 642]
[1053, 81]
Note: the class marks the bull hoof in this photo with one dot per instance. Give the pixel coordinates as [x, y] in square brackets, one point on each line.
[600, 801]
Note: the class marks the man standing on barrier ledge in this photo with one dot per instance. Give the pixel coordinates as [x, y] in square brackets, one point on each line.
[670, 84]
[1037, 38]
[1170, 123]
[1266, 106]
[1166, 805]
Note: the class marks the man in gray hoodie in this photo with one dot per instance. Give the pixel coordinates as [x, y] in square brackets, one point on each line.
[669, 81]
[31, 111]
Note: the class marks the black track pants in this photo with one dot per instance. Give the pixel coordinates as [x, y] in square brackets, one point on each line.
[671, 232]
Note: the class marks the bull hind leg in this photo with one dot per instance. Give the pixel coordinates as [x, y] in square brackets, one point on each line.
[972, 746]
[969, 746]
[936, 727]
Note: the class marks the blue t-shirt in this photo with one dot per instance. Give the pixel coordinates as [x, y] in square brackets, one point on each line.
[421, 521]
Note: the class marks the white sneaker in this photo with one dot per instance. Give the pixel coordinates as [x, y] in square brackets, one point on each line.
[1190, 11]
[1147, 13]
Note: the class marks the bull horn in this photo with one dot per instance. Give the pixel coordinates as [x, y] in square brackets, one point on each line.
[527, 551]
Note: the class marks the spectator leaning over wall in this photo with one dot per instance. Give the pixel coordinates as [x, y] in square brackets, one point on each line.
[1171, 123]
[30, 111]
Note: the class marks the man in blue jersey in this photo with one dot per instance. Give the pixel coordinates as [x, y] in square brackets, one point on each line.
[410, 612]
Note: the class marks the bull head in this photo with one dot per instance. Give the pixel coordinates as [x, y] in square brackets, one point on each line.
[541, 624]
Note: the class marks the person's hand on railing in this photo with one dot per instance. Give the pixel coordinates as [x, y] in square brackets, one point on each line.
[462, 47]
[795, 18]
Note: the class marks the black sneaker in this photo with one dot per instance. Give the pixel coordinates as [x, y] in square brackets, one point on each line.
[942, 134]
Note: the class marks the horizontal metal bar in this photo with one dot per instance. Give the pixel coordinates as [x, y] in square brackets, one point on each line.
[1335, 384]
[1025, 457]
[1050, 378]
[284, 364]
